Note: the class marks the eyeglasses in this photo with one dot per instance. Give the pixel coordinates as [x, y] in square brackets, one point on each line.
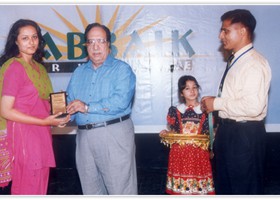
[99, 41]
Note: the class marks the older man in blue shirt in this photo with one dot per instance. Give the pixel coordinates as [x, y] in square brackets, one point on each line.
[100, 93]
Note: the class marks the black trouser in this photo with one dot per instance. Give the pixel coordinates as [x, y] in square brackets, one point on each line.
[239, 150]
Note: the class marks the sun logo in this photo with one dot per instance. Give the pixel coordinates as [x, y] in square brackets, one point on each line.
[74, 40]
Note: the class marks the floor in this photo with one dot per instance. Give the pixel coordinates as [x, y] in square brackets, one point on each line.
[66, 182]
[151, 166]
[151, 181]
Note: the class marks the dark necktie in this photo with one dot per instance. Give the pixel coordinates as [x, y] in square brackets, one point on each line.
[225, 73]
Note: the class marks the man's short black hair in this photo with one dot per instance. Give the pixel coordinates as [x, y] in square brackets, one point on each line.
[242, 16]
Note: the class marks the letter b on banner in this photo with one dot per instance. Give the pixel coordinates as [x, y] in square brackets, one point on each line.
[76, 48]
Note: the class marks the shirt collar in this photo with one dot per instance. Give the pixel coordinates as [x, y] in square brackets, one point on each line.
[182, 108]
[242, 50]
[108, 62]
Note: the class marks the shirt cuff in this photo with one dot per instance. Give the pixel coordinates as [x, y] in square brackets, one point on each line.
[218, 103]
[94, 108]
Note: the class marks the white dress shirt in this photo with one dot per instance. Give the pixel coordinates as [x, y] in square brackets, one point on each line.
[245, 91]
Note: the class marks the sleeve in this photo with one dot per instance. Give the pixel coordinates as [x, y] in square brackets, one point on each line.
[13, 79]
[70, 93]
[205, 126]
[172, 119]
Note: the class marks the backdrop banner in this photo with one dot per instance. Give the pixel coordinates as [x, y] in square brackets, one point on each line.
[160, 42]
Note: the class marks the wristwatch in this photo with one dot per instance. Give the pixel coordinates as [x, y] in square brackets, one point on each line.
[86, 108]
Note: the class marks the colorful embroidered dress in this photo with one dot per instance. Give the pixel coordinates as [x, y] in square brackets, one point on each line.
[189, 169]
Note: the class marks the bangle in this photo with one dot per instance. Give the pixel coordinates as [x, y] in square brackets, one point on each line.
[86, 108]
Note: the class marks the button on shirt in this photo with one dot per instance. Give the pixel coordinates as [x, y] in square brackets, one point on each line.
[108, 90]
[245, 90]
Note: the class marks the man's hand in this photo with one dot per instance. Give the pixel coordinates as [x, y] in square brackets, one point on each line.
[76, 106]
[207, 104]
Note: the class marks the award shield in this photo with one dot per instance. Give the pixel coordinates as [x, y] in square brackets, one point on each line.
[58, 103]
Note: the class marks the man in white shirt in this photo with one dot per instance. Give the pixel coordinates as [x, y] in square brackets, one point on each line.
[239, 147]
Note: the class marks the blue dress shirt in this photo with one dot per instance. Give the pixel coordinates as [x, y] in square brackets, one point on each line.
[108, 90]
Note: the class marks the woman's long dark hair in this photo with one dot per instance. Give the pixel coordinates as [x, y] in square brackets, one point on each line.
[11, 48]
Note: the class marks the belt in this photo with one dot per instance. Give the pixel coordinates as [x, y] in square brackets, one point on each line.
[226, 121]
[103, 124]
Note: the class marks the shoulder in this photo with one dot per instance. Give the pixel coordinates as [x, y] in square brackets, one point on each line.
[121, 68]
[14, 72]
[172, 111]
[252, 64]
[257, 65]
[120, 64]
[181, 107]
[257, 58]
[81, 68]
[172, 108]
[14, 66]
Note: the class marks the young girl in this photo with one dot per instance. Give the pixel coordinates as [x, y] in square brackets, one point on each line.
[189, 169]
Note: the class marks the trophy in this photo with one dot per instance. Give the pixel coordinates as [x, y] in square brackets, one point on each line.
[58, 103]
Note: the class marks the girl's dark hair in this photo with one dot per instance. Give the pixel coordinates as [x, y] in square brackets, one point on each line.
[182, 85]
[11, 48]
[105, 28]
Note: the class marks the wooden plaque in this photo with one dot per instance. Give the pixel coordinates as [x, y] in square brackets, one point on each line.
[58, 103]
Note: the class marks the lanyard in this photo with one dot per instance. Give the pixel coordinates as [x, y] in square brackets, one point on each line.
[240, 56]
[227, 69]
[211, 131]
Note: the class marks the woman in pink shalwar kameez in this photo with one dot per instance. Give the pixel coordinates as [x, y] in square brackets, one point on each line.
[25, 109]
